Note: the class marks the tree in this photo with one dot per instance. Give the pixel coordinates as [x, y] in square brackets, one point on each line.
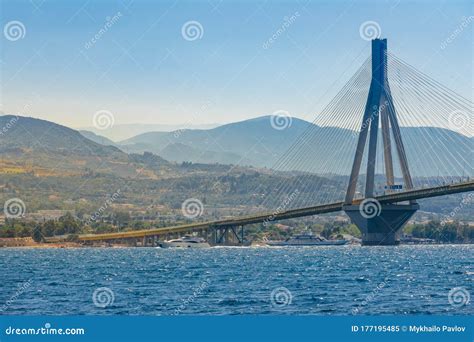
[23, 231]
[49, 228]
[37, 235]
[69, 224]
[122, 218]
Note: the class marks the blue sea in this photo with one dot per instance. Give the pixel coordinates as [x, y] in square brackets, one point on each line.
[347, 280]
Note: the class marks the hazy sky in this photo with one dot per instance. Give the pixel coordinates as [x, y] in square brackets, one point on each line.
[144, 67]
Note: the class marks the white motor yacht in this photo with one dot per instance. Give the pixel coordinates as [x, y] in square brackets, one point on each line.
[187, 241]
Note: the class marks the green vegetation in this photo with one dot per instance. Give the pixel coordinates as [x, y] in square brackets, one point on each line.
[71, 227]
[454, 232]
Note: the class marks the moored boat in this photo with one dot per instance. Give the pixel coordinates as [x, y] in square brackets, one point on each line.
[307, 239]
[187, 241]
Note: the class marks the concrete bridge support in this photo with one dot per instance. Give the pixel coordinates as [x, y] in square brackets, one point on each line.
[384, 227]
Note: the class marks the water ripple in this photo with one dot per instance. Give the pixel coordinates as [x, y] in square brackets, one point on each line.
[221, 281]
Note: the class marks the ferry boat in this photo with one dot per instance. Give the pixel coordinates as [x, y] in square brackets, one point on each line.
[186, 241]
[307, 239]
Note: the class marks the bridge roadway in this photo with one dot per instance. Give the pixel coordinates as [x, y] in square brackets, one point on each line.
[281, 215]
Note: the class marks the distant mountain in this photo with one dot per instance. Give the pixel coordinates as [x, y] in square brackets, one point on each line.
[250, 142]
[30, 134]
[98, 138]
[430, 150]
[180, 152]
[326, 150]
[125, 131]
[29, 145]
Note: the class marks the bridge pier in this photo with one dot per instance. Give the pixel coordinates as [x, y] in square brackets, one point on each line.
[382, 225]
[222, 236]
[238, 235]
[225, 235]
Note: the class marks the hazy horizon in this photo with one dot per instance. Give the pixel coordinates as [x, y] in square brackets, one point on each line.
[120, 132]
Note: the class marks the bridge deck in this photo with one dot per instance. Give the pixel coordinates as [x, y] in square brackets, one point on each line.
[282, 215]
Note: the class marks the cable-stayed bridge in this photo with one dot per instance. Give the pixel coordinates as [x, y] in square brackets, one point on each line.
[230, 225]
[387, 167]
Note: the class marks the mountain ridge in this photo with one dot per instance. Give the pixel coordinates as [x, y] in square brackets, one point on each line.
[254, 143]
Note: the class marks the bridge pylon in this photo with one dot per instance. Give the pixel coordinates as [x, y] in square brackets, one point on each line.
[380, 224]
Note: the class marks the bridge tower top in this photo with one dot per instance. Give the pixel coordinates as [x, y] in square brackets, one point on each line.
[379, 60]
